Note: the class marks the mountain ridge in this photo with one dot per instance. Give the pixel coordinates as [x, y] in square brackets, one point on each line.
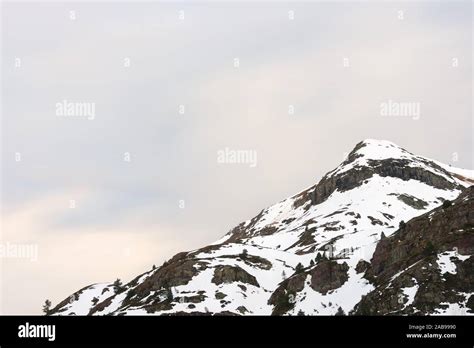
[274, 263]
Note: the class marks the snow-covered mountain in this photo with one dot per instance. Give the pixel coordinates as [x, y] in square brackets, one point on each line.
[312, 253]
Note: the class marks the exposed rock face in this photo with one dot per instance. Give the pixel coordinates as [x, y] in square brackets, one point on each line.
[343, 182]
[220, 295]
[177, 271]
[256, 261]
[325, 276]
[230, 274]
[362, 266]
[394, 168]
[412, 201]
[444, 228]
[101, 306]
[397, 168]
[414, 259]
[173, 274]
[328, 275]
[284, 295]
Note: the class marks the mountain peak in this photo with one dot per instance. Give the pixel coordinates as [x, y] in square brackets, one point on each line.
[379, 150]
[370, 150]
[378, 142]
[367, 152]
[373, 159]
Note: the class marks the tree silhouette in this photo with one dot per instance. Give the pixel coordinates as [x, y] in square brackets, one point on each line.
[47, 307]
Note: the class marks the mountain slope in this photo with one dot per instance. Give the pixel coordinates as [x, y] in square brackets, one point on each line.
[254, 268]
[427, 265]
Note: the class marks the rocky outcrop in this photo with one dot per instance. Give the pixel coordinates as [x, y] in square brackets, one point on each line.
[362, 266]
[412, 201]
[173, 274]
[177, 271]
[230, 274]
[398, 168]
[251, 260]
[444, 228]
[328, 275]
[410, 259]
[283, 298]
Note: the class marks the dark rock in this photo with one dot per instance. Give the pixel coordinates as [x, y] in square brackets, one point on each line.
[328, 275]
[286, 291]
[219, 295]
[231, 274]
[411, 201]
[242, 309]
[362, 266]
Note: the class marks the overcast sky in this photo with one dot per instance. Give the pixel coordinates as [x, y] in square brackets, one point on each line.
[297, 84]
